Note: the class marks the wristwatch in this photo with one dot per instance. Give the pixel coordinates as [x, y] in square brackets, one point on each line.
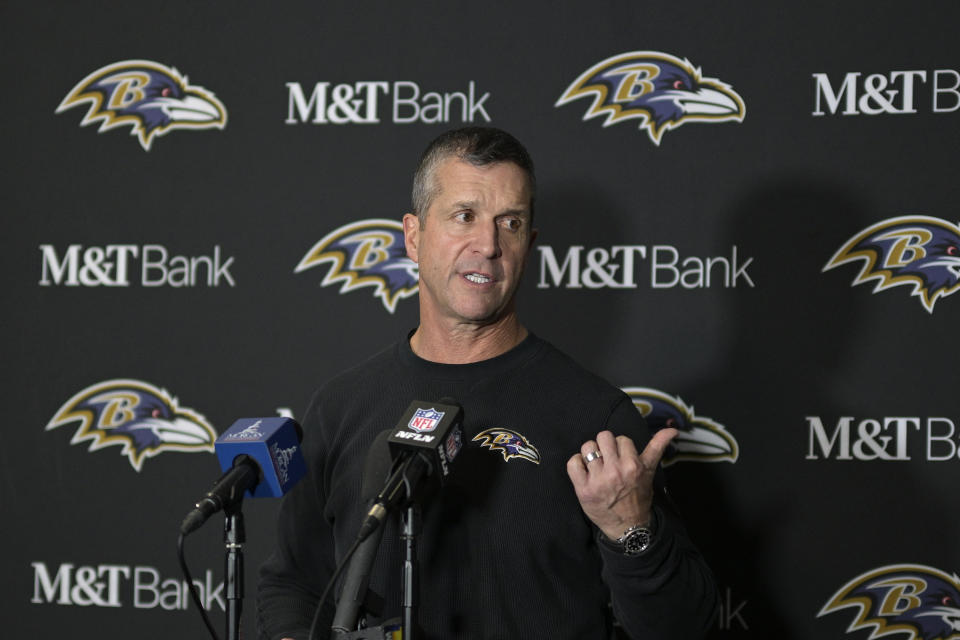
[637, 538]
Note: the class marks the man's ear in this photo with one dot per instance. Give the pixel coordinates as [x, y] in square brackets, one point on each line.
[411, 235]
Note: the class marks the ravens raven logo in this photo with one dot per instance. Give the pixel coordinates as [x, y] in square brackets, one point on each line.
[915, 602]
[151, 98]
[917, 251]
[660, 90]
[368, 253]
[509, 443]
[137, 416]
[700, 439]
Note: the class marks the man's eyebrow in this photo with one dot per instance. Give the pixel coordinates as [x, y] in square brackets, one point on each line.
[471, 204]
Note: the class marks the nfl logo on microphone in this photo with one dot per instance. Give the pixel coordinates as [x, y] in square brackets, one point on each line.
[424, 420]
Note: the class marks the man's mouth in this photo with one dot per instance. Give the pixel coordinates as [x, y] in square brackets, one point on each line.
[478, 278]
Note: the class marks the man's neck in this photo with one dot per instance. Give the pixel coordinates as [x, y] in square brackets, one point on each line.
[466, 343]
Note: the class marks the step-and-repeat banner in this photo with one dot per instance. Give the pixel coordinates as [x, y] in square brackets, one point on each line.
[748, 220]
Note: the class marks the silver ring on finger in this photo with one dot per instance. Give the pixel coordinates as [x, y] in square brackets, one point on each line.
[590, 457]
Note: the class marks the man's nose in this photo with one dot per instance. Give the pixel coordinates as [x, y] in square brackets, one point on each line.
[486, 240]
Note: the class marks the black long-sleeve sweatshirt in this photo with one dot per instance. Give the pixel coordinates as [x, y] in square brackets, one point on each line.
[505, 550]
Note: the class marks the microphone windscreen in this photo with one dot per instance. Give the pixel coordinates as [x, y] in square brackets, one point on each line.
[434, 429]
[376, 467]
[274, 443]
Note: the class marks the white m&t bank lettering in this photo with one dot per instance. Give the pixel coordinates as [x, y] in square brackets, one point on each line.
[593, 269]
[149, 592]
[103, 586]
[110, 266]
[616, 268]
[879, 93]
[359, 103]
[106, 266]
[84, 586]
[886, 438]
[697, 273]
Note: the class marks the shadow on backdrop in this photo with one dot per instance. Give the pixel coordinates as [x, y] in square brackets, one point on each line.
[788, 336]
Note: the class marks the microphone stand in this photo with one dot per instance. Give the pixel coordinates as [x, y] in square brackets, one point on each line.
[233, 536]
[411, 582]
[356, 585]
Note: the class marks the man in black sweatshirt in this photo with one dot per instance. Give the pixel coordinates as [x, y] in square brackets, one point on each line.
[554, 509]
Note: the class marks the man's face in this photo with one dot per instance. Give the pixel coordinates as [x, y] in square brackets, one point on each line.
[474, 242]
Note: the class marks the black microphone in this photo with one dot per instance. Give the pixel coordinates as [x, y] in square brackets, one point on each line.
[356, 593]
[423, 445]
[260, 456]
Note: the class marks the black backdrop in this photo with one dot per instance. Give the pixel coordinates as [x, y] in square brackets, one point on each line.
[840, 400]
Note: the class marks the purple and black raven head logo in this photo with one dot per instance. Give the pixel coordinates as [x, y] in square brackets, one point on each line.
[700, 439]
[368, 253]
[917, 251]
[151, 98]
[912, 602]
[660, 90]
[509, 443]
[139, 417]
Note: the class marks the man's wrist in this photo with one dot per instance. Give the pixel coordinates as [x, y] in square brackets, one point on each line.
[635, 539]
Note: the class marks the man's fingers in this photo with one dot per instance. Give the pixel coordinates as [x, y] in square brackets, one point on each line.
[608, 446]
[577, 470]
[615, 449]
[592, 455]
[657, 446]
[589, 447]
[626, 447]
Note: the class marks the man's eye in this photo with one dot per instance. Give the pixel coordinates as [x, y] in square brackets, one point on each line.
[464, 216]
[513, 224]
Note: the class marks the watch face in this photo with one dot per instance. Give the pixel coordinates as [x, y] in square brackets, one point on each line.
[636, 542]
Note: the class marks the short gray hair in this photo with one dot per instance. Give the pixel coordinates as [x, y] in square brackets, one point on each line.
[480, 146]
